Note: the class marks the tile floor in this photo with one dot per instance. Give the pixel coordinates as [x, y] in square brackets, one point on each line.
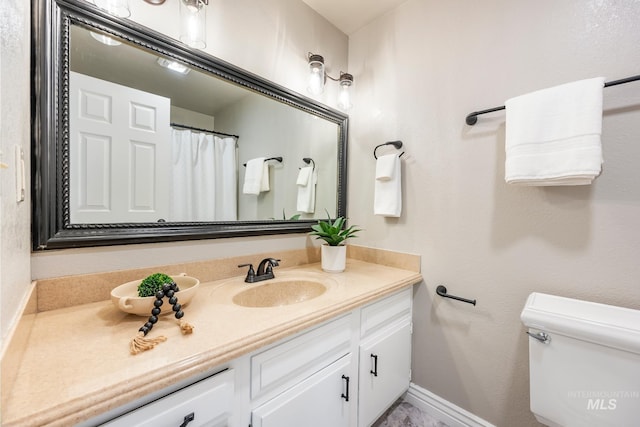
[404, 414]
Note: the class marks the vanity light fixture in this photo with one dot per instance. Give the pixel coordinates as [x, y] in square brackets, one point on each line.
[119, 8]
[193, 23]
[192, 17]
[318, 77]
[173, 66]
[344, 99]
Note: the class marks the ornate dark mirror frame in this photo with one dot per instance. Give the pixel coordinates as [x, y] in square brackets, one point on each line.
[51, 226]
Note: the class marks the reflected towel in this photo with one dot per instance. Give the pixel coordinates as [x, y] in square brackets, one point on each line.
[307, 193]
[553, 135]
[387, 199]
[253, 176]
[264, 182]
[303, 176]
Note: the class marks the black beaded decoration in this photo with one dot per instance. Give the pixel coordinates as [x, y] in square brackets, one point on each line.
[168, 290]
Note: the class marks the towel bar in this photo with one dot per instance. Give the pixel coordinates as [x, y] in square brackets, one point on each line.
[472, 118]
[278, 159]
[442, 291]
[397, 144]
[308, 160]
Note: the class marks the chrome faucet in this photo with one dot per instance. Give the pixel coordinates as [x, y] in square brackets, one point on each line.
[265, 270]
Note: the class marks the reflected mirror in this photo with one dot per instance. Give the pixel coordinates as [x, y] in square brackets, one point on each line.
[154, 141]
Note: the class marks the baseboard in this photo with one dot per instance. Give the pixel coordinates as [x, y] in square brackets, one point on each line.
[442, 410]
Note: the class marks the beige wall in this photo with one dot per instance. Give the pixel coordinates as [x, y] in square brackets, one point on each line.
[15, 235]
[419, 70]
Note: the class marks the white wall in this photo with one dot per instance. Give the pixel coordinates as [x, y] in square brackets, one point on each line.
[419, 71]
[270, 38]
[15, 232]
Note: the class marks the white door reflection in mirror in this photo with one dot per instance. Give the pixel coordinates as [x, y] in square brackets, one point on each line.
[119, 139]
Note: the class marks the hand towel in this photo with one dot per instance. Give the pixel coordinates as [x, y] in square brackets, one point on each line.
[387, 199]
[307, 193]
[253, 176]
[303, 176]
[553, 135]
[385, 167]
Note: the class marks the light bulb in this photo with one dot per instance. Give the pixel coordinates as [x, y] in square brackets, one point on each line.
[316, 74]
[193, 23]
[344, 99]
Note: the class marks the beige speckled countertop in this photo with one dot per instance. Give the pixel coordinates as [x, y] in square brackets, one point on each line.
[77, 363]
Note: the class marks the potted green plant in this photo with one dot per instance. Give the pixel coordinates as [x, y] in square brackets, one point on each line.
[334, 233]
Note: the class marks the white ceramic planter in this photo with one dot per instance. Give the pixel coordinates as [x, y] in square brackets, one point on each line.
[334, 258]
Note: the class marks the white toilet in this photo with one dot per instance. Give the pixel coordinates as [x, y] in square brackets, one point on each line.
[584, 362]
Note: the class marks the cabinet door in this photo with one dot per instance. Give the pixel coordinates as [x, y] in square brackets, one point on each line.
[206, 403]
[385, 370]
[318, 401]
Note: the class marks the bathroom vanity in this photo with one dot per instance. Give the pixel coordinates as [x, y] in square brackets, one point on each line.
[355, 365]
[339, 358]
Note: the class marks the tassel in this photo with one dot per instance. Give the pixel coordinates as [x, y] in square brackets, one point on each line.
[140, 343]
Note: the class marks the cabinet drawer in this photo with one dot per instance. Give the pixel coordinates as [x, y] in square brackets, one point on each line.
[298, 358]
[210, 401]
[383, 312]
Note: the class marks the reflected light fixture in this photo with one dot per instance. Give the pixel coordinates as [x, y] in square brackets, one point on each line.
[173, 66]
[318, 77]
[104, 39]
[193, 23]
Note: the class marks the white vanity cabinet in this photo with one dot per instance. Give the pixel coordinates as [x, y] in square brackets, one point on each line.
[385, 355]
[208, 402]
[344, 372]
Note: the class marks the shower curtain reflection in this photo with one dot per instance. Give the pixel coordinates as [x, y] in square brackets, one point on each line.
[203, 177]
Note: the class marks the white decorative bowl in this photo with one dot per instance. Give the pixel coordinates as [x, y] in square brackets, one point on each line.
[126, 298]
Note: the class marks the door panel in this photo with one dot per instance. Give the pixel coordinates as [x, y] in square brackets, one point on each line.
[120, 145]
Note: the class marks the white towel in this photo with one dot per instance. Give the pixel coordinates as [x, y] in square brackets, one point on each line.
[553, 135]
[307, 193]
[264, 182]
[385, 167]
[254, 176]
[303, 176]
[387, 199]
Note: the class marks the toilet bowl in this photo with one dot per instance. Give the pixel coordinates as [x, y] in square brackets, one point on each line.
[584, 362]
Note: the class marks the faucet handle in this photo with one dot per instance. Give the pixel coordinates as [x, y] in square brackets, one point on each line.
[251, 274]
[272, 262]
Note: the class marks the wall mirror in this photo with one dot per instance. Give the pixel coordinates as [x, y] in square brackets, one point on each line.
[138, 138]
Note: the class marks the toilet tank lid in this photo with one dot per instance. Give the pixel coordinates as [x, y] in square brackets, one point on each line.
[603, 324]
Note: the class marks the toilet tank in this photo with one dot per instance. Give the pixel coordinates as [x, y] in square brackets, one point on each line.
[588, 373]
